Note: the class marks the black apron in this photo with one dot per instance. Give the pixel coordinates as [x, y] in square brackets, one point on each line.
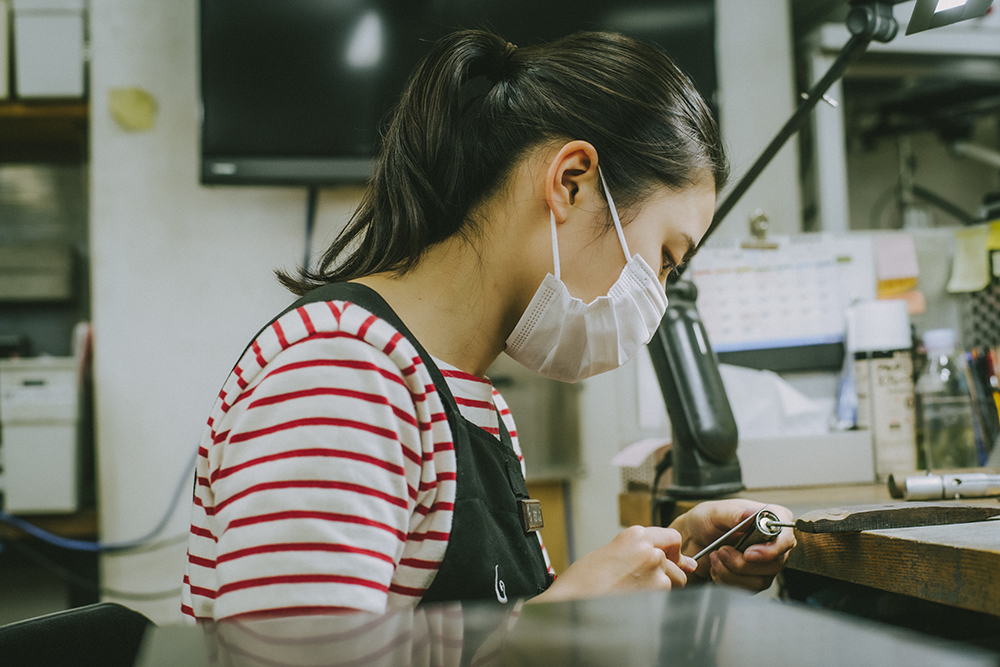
[489, 554]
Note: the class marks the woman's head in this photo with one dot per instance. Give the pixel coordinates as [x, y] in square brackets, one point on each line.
[476, 106]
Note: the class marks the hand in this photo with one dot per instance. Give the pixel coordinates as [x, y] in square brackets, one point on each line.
[638, 558]
[754, 569]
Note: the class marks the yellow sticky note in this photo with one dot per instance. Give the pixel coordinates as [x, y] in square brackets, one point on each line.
[970, 271]
[993, 242]
[888, 289]
[134, 109]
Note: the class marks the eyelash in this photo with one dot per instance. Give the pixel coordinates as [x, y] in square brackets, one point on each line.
[668, 263]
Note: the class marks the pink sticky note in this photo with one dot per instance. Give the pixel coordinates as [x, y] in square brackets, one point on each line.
[895, 256]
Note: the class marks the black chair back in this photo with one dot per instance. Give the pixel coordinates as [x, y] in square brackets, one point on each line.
[98, 635]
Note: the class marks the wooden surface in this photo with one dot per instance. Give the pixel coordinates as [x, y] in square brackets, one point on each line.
[957, 564]
[82, 524]
[44, 131]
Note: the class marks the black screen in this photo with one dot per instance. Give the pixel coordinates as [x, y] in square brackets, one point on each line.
[297, 91]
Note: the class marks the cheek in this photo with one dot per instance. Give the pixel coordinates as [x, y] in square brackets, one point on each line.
[648, 246]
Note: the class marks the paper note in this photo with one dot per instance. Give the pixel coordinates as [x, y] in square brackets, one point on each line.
[895, 257]
[993, 242]
[970, 270]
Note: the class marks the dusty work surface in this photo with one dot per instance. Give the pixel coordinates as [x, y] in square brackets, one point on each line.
[957, 564]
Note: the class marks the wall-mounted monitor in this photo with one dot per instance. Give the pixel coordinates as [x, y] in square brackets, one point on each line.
[298, 91]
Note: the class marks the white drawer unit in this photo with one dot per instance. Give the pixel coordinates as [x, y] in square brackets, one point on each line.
[39, 434]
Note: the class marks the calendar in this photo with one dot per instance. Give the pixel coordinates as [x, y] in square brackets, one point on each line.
[791, 295]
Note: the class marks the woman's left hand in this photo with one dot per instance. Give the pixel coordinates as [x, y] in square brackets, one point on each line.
[754, 569]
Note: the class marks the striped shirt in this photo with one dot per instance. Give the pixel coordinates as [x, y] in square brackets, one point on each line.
[326, 476]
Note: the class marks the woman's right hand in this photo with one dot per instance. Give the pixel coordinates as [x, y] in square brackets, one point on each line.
[638, 558]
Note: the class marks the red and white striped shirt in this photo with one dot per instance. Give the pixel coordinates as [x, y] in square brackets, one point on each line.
[326, 477]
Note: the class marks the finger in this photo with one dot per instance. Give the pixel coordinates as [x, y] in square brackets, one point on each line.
[676, 576]
[666, 540]
[776, 549]
[721, 574]
[737, 563]
[724, 514]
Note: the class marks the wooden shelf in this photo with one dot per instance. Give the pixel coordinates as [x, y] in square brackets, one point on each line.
[81, 524]
[44, 131]
[53, 110]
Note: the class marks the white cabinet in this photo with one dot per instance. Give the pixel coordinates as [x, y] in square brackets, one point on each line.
[39, 434]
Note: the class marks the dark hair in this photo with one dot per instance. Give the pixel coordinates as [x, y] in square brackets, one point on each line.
[476, 105]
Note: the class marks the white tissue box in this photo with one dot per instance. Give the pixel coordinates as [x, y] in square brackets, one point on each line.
[807, 460]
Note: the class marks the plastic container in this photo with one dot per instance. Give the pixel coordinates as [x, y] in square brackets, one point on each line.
[945, 431]
[883, 368]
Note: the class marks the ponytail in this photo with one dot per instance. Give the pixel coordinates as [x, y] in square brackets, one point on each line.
[476, 104]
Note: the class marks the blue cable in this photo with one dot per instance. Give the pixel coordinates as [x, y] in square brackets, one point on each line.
[84, 545]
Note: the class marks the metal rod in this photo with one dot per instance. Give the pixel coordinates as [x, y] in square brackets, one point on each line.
[780, 524]
[721, 540]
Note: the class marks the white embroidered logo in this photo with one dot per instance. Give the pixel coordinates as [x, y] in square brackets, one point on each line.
[498, 584]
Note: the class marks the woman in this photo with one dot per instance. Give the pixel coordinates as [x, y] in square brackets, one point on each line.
[357, 456]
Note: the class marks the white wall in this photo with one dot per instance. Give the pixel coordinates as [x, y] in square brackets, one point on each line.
[756, 97]
[181, 279]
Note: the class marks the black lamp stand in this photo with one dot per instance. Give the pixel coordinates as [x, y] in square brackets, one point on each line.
[703, 455]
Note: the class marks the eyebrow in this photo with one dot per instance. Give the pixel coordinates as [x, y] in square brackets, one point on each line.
[691, 251]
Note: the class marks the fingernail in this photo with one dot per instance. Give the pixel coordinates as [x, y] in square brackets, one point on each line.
[691, 563]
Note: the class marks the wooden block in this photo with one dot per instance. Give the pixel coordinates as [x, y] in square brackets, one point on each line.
[634, 508]
[956, 564]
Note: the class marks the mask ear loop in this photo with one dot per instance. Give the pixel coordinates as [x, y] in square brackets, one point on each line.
[555, 243]
[614, 216]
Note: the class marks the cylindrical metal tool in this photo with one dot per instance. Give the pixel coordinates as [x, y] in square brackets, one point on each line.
[938, 487]
[763, 526]
[763, 529]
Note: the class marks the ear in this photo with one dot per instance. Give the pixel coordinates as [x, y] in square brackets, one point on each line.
[571, 178]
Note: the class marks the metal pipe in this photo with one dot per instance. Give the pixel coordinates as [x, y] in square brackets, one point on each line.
[976, 152]
[940, 487]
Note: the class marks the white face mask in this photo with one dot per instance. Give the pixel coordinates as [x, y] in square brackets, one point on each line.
[563, 338]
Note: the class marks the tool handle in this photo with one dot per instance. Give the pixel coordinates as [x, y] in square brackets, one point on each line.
[763, 529]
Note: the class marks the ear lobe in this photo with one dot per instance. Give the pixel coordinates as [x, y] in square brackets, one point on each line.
[574, 166]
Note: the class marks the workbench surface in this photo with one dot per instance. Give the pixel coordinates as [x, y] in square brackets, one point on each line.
[956, 564]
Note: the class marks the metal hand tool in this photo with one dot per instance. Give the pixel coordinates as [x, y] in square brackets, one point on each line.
[764, 527]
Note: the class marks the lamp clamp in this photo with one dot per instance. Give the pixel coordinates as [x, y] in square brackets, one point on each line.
[872, 20]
